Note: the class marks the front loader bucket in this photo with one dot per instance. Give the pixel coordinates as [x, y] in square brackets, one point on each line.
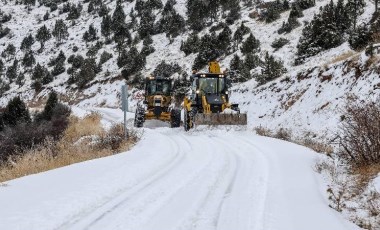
[220, 119]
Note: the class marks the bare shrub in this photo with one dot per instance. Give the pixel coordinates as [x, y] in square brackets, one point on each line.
[359, 135]
[283, 134]
[262, 131]
[90, 142]
[319, 147]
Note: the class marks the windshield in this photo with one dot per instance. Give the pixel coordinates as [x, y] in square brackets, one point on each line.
[211, 85]
[158, 87]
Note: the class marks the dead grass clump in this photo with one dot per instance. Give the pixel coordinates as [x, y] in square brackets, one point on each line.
[90, 142]
[317, 146]
[87, 126]
[262, 131]
[342, 57]
[283, 134]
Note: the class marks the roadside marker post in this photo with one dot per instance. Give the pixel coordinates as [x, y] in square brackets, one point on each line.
[124, 106]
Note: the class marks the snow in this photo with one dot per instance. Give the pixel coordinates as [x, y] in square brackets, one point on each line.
[208, 179]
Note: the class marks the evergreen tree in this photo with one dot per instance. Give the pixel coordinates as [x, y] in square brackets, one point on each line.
[74, 12]
[134, 63]
[119, 27]
[321, 33]
[250, 45]
[20, 80]
[171, 22]
[28, 60]
[225, 38]
[272, 69]
[196, 14]
[15, 113]
[12, 71]
[46, 16]
[9, 52]
[91, 34]
[58, 68]
[87, 72]
[43, 35]
[191, 45]
[234, 13]
[354, 8]
[235, 66]
[106, 26]
[27, 43]
[51, 103]
[30, 3]
[146, 24]
[60, 31]
[360, 37]
[2, 66]
[238, 35]
[147, 46]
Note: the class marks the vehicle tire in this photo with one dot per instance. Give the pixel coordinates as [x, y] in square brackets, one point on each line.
[139, 117]
[175, 118]
[187, 121]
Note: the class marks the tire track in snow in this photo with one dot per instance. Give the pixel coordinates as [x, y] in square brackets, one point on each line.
[124, 194]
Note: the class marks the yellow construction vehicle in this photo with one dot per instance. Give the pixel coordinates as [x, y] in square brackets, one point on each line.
[208, 102]
[157, 104]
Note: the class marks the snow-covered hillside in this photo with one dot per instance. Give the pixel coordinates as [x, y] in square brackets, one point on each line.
[175, 179]
[300, 100]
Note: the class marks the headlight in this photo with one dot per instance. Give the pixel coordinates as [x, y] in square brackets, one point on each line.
[197, 91]
[226, 92]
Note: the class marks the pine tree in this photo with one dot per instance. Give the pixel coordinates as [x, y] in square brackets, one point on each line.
[87, 72]
[12, 71]
[43, 35]
[360, 37]
[20, 80]
[106, 26]
[134, 62]
[354, 8]
[272, 69]
[250, 45]
[46, 16]
[191, 45]
[225, 38]
[234, 13]
[30, 3]
[74, 12]
[27, 43]
[51, 103]
[28, 60]
[238, 35]
[60, 31]
[16, 112]
[9, 52]
[196, 14]
[146, 24]
[171, 22]
[2, 66]
[91, 34]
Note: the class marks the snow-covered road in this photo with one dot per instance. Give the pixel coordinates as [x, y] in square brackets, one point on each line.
[175, 180]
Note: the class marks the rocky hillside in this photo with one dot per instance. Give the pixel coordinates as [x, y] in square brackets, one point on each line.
[293, 63]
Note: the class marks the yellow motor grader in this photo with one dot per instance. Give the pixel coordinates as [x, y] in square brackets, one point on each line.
[157, 104]
[208, 102]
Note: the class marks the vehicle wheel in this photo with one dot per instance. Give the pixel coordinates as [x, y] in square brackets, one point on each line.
[175, 118]
[187, 121]
[139, 117]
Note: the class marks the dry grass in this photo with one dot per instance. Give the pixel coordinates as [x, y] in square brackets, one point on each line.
[342, 57]
[84, 139]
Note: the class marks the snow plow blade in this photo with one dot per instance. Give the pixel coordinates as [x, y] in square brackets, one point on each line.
[220, 119]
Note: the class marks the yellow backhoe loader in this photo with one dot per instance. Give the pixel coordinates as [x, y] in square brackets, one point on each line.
[208, 102]
[157, 104]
